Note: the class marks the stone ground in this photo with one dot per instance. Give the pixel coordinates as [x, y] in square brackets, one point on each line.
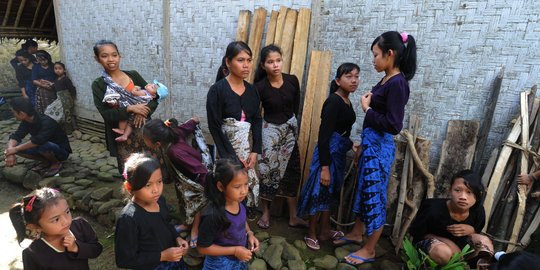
[91, 183]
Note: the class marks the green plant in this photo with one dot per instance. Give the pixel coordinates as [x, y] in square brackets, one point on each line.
[416, 259]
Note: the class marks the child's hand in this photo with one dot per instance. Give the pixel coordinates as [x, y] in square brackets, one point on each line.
[172, 254]
[182, 243]
[196, 119]
[365, 101]
[253, 242]
[460, 230]
[242, 253]
[70, 244]
[325, 176]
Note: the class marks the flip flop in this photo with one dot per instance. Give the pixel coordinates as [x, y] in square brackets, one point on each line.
[312, 243]
[364, 260]
[299, 225]
[52, 171]
[345, 241]
[40, 166]
[193, 243]
[263, 225]
[335, 235]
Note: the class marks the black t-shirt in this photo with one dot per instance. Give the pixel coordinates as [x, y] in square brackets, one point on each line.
[42, 129]
[279, 104]
[433, 217]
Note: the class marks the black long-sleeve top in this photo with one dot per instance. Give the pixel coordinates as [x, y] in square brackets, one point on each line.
[221, 103]
[140, 236]
[42, 129]
[23, 75]
[40, 256]
[433, 217]
[279, 104]
[388, 105]
[336, 116]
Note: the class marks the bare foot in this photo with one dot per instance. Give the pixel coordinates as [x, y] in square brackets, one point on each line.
[297, 222]
[122, 138]
[360, 256]
[349, 239]
[118, 131]
[263, 222]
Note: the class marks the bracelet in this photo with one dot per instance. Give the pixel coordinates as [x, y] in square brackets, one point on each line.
[247, 233]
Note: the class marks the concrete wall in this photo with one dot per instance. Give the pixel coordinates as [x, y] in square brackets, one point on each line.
[461, 47]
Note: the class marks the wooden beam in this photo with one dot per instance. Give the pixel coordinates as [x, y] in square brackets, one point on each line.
[287, 39]
[298, 61]
[242, 29]
[524, 169]
[255, 38]
[36, 13]
[271, 31]
[46, 15]
[8, 10]
[19, 13]
[279, 24]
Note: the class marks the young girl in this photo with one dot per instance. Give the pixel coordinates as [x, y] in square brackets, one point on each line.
[443, 227]
[184, 163]
[280, 99]
[327, 169]
[395, 54]
[60, 242]
[232, 108]
[144, 238]
[226, 232]
[66, 92]
[43, 78]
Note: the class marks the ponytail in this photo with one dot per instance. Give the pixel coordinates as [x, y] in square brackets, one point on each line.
[17, 220]
[404, 46]
[157, 130]
[223, 71]
[343, 69]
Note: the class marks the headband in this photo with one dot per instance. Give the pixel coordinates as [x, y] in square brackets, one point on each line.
[167, 123]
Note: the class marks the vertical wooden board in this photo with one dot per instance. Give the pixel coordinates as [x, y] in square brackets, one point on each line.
[242, 28]
[279, 24]
[287, 39]
[320, 95]
[457, 152]
[271, 31]
[255, 38]
[392, 189]
[299, 52]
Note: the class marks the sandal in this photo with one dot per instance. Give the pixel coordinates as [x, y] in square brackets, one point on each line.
[263, 224]
[40, 166]
[345, 241]
[356, 257]
[52, 170]
[336, 235]
[193, 243]
[311, 243]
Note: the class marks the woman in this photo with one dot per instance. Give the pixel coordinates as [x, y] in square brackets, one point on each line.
[107, 55]
[395, 54]
[43, 78]
[280, 99]
[327, 170]
[232, 107]
[23, 71]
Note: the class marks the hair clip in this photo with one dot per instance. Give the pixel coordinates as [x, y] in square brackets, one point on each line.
[167, 123]
[127, 185]
[29, 206]
[404, 36]
[124, 174]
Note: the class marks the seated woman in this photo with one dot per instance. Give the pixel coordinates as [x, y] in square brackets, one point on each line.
[443, 227]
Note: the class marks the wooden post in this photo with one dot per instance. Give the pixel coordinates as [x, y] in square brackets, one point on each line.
[271, 31]
[524, 169]
[242, 29]
[287, 39]
[316, 94]
[255, 38]
[279, 24]
[46, 14]
[301, 36]
[34, 20]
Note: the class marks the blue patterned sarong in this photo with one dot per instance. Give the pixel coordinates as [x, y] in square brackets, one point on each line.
[315, 197]
[171, 266]
[374, 166]
[222, 263]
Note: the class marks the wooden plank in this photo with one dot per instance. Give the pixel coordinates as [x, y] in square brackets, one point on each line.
[526, 239]
[19, 13]
[489, 110]
[298, 61]
[457, 152]
[255, 38]
[287, 39]
[279, 25]
[8, 10]
[316, 93]
[524, 169]
[495, 180]
[34, 20]
[242, 28]
[271, 31]
[489, 167]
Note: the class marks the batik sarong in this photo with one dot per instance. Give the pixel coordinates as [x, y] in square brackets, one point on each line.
[316, 197]
[44, 97]
[189, 192]
[278, 143]
[374, 166]
[69, 113]
[115, 92]
[238, 134]
[203, 148]
[222, 263]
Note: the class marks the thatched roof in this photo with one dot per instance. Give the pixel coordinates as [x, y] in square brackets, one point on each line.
[27, 19]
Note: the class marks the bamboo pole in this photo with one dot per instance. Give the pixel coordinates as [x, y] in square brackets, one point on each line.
[34, 20]
[271, 31]
[19, 13]
[255, 38]
[287, 39]
[301, 36]
[242, 28]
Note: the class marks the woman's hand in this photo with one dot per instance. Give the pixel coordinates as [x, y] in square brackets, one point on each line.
[172, 254]
[242, 253]
[459, 230]
[253, 242]
[365, 101]
[140, 109]
[325, 176]
[357, 148]
[139, 120]
[251, 160]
